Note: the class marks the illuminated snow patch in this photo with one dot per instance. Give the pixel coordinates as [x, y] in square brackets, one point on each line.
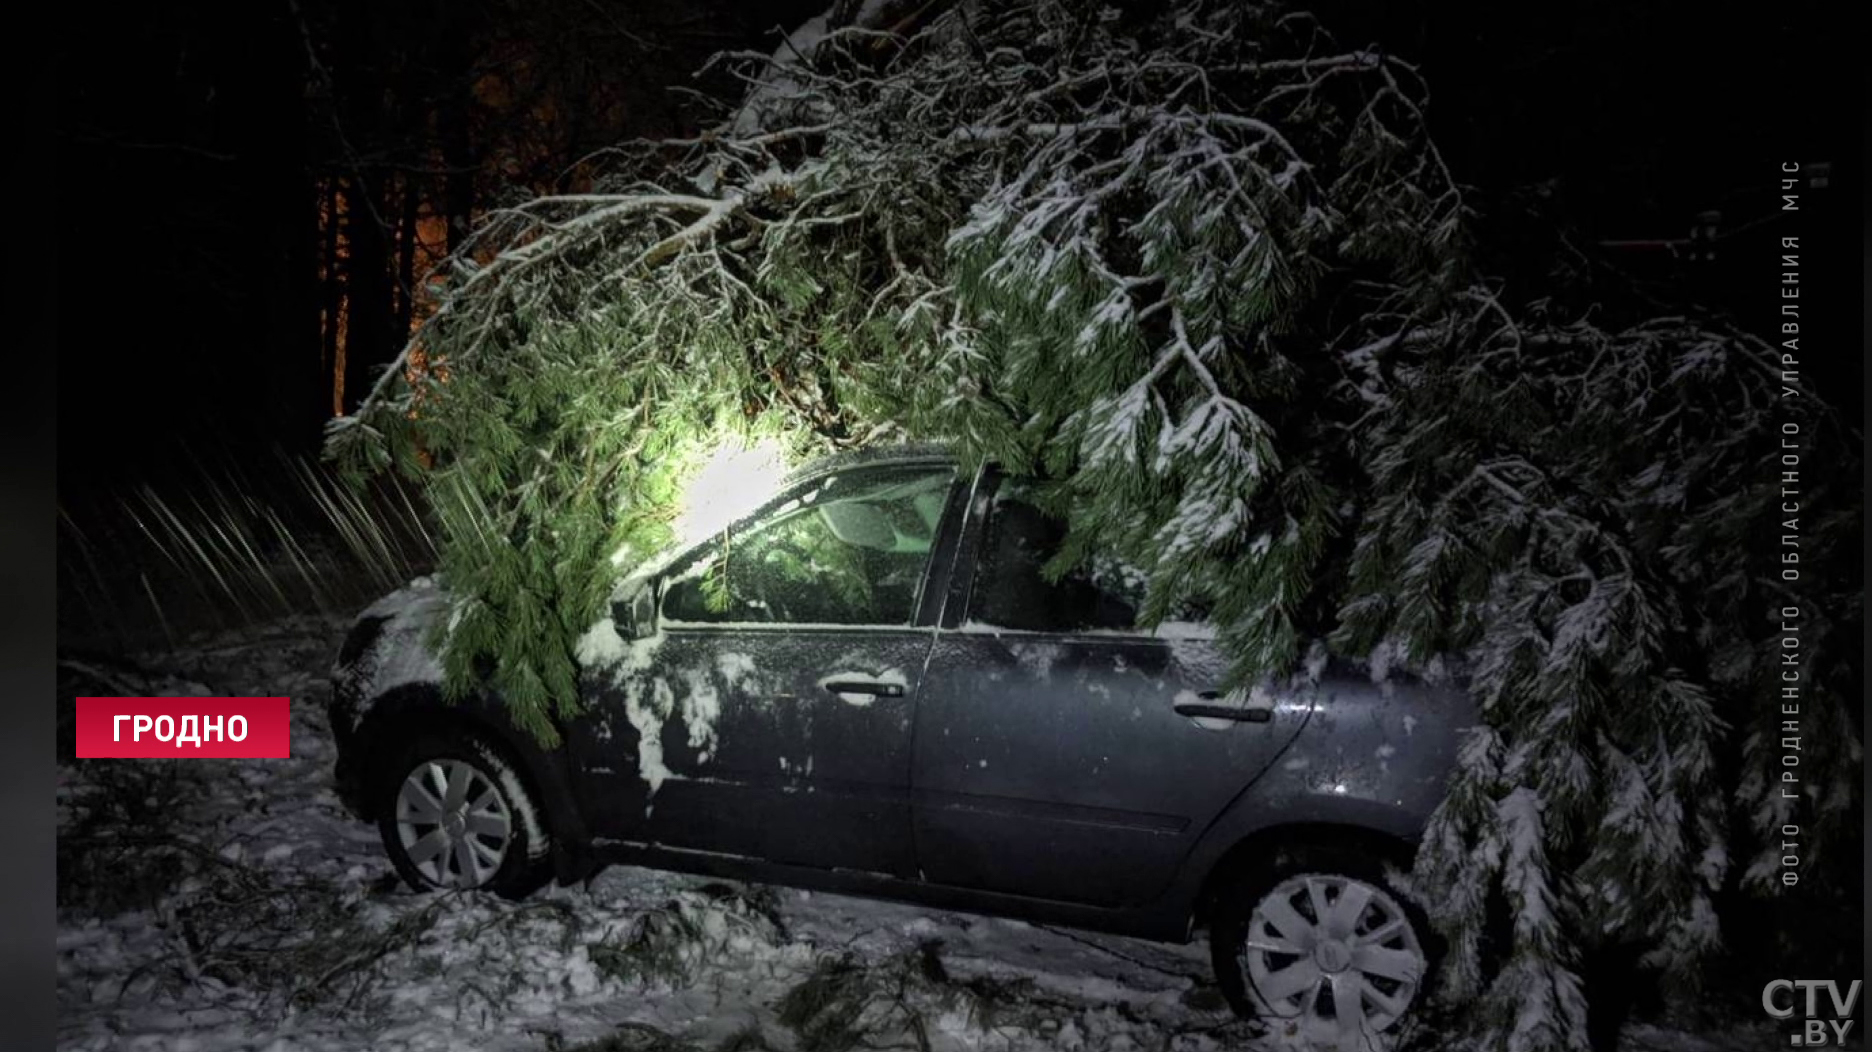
[701, 709]
[600, 645]
[648, 714]
[738, 670]
[732, 483]
[1038, 658]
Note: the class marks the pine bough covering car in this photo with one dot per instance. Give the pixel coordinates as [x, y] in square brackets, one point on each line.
[872, 688]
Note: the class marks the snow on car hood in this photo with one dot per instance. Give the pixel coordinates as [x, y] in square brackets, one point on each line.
[400, 654]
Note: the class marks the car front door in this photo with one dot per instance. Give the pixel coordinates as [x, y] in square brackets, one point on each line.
[778, 689]
[1061, 751]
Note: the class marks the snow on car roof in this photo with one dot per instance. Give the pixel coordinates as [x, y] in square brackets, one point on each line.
[870, 455]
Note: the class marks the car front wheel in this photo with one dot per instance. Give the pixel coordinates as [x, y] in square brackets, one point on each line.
[455, 814]
[1317, 943]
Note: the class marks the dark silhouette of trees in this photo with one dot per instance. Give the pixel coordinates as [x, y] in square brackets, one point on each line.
[265, 187]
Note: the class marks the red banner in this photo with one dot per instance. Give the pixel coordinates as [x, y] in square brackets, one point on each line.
[208, 728]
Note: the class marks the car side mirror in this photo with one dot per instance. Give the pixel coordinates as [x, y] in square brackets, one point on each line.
[635, 614]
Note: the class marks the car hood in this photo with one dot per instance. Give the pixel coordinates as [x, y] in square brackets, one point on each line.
[387, 646]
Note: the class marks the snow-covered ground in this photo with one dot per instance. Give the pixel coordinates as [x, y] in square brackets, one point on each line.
[221, 905]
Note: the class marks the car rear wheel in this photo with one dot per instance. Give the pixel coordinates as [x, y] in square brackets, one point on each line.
[453, 813]
[1318, 943]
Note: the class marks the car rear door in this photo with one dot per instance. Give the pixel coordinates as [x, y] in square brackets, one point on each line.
[781, 681]
[1060, 751]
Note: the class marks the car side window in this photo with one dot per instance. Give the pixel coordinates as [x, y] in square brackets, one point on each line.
[1011, 592]
[851, 551]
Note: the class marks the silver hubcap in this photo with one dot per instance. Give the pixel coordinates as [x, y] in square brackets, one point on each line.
[1336, 955]
[453, 823]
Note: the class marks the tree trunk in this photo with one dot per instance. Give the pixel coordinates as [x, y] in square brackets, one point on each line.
[370, 315]
[458, 164]
[332, 272]
[406, 257]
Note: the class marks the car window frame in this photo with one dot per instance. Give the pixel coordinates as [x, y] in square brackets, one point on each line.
[927, 602]
[955, 614]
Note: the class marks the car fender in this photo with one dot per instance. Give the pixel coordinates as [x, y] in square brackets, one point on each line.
[1372, 760]
[392, 716]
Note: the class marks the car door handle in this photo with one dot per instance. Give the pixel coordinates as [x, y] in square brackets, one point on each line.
[861, 686]
[1239, 713]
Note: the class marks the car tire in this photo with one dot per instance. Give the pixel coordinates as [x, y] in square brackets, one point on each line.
[454, 813]
[1275, 960]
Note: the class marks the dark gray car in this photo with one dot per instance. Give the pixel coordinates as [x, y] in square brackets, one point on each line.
[869, 686]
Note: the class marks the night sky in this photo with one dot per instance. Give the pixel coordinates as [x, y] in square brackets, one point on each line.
[193, 138]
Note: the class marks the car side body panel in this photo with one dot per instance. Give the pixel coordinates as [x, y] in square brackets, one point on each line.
[792, 742]
[1054, 777]
[1057, 766]
[1374, 759]
[789, 770]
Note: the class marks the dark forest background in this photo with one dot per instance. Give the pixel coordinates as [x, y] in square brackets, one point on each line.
[251, 193]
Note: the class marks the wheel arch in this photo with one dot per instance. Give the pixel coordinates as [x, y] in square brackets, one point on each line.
[1390, 847]
[398, 715]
